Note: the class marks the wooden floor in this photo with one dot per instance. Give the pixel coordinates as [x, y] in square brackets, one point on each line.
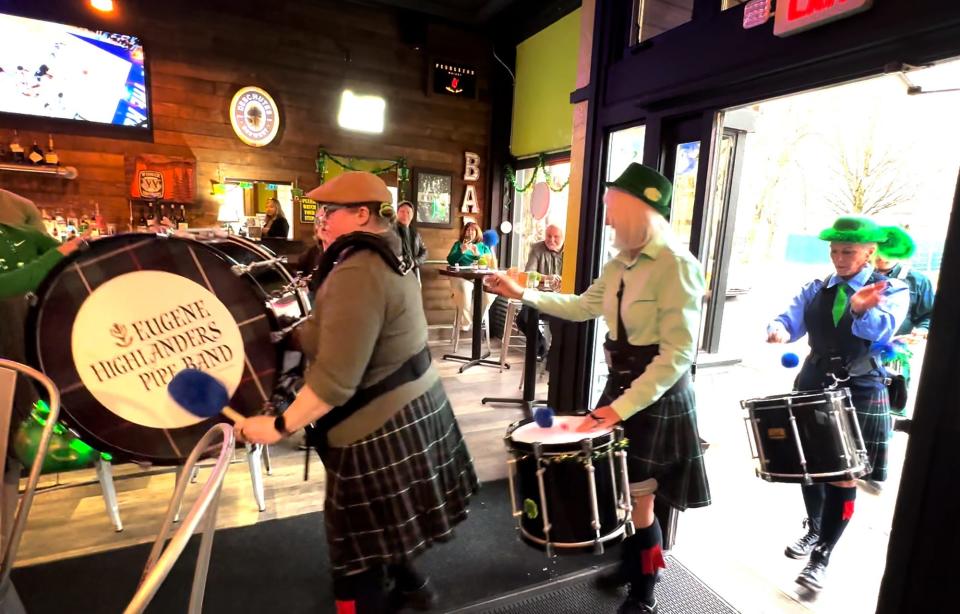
[735, 545]
[69, 519]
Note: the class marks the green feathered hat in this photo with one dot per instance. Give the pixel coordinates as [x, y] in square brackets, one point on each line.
[892, 241]
[646, 184]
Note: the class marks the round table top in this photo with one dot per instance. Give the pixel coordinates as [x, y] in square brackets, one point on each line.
[468, 272]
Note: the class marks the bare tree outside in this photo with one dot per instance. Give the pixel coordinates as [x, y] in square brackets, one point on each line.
[869, 180]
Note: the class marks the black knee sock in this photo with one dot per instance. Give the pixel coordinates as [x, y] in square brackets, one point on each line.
[813, 499]
[361, 593]
[407, 576]
[837, 511]
[647, 548]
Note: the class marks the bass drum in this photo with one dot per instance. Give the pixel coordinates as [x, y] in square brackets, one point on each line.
[114, 323]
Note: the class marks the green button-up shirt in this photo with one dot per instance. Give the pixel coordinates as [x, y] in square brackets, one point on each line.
[663, 289]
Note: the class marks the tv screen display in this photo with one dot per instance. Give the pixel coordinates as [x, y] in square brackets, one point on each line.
[54, 70]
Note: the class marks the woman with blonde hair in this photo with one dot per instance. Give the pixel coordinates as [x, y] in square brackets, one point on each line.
[276, 225]
[649, 295]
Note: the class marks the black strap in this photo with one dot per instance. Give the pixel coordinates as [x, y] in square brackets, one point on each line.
[621, 328]
[350, 244]
[412, 369]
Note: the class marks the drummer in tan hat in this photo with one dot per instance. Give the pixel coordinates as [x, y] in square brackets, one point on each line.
[370, 391]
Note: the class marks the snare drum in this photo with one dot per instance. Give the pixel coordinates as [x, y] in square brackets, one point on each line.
[116, 322]
[569, 490]
[807, 437]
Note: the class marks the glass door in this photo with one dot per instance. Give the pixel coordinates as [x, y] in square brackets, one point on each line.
[623, 147]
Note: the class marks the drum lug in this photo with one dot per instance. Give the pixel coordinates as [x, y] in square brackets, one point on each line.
[544, 507]
[628, 528]
[586, 448]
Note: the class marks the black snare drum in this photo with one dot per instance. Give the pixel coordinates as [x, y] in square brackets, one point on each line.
[569, 489]
[114, 323]
[807, 437]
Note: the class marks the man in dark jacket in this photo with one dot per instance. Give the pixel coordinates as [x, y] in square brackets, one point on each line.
[413, 246]
[546, 258]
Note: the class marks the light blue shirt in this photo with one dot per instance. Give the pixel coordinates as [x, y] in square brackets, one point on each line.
[876, 325]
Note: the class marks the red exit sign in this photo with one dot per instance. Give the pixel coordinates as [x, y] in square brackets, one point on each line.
[798, 15]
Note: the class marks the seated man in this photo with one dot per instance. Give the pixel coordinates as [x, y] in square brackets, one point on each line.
[546, 258]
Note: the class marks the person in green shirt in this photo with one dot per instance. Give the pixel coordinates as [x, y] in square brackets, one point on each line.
[649, 295]
[469, 251]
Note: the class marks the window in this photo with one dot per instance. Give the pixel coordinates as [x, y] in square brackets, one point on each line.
[657, 16]
[549, 192]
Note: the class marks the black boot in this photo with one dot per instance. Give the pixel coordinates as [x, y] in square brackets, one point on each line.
[411, 589]
[637, 606]
[804, 546]
[815, 570]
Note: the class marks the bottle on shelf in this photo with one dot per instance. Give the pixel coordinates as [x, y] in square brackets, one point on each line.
[142, 223]
[36, 154]
[51, 156]
[16, 149]
[98, 220]
[182, 219]
[151, 214]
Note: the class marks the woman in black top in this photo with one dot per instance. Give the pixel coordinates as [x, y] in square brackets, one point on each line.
[276, 225]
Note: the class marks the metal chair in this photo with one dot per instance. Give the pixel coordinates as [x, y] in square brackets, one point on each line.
[164, 555]
[9, 600]
[484, 327]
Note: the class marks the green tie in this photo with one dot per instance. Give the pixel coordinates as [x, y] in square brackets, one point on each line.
[840, 304]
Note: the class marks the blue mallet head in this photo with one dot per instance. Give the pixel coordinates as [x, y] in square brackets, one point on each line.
[789, 360]
[198, 392]
[491, 238]
[543, 416]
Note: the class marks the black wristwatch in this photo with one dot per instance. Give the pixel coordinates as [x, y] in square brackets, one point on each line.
[280, 425]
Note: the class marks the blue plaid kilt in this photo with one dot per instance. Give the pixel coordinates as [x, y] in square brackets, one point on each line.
[394, 493]
[665, 444]
[872, 403]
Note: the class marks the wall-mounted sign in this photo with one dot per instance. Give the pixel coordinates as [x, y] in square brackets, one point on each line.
[756, 13]
[454, 80]
[798, 15]
[471, 172]
[156, 177]
[308, 209]
[254, 116]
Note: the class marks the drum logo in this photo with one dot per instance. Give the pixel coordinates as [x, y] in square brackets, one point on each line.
[151, 184]
[531, 509]
[777, 433]
[136, 331]
[254, 116]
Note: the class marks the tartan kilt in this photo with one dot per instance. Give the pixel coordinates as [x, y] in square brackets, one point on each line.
[390, 495]
[665, 444]
[872, 403]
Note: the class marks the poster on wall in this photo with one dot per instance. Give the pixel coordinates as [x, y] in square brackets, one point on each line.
[434, 195]
[157, 177]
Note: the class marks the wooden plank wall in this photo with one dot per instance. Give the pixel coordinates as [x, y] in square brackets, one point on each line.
[304, 53]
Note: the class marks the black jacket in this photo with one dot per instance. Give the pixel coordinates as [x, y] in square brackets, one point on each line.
[412, 243]
[279, 228]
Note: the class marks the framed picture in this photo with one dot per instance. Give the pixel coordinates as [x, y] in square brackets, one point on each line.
[434, 198]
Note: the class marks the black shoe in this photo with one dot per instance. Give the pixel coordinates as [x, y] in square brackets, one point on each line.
[803, 546]
[814, 572]
[612, 581]
[422, 599]
[636, 606]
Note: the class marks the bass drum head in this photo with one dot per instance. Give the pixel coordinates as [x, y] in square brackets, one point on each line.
[116, 322]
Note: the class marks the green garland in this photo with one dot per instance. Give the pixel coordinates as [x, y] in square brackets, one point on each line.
[400, 166]
[540, 167]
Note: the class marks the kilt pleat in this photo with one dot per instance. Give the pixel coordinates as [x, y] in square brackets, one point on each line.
[393, 493]
[665, 444]
[872, 403]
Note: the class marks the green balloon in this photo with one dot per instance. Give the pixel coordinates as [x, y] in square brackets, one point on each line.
[66, 451]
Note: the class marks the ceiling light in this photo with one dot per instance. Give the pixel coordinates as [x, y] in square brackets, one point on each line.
[104, 6]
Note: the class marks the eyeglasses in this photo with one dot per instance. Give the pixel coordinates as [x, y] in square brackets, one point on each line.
[331, 208]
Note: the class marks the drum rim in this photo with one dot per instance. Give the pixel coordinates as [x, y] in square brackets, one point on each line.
[34, 351]
[553, 449]
[828, 394]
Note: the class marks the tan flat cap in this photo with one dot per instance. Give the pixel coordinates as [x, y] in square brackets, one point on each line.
[352, 187]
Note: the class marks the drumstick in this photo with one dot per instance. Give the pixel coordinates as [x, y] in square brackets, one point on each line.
[201, 394]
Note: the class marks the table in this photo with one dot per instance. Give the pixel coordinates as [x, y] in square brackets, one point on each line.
[476, 357]
[529, 368]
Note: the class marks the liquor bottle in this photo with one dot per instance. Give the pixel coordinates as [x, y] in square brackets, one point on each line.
[36, 154]
[162, 220]
[182, 219]
[98, 220]
[142, 223]
[51, 156]
[61, 225]
[16, 149]
[151, 215]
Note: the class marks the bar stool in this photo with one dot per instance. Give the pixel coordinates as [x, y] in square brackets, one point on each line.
[510, 331]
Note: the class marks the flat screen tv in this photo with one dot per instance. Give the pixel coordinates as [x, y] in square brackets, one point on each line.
[64, 72]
